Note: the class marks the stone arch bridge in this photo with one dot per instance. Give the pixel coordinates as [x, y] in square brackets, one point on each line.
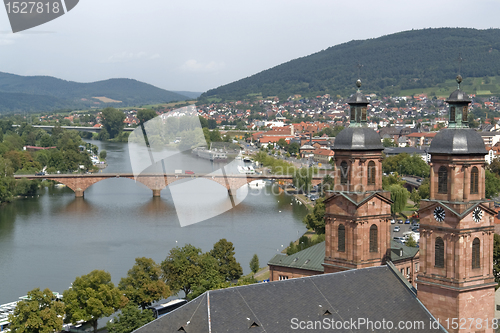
[155, 182]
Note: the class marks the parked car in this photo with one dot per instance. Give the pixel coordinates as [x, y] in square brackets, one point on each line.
[399, 239]
[415, 229]
[400, 221]
[407, 221]
[397, 228]
[41, 173]
[393, 221]
[189, 172]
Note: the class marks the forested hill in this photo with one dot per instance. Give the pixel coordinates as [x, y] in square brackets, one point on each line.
[44, 93]
[404, 60]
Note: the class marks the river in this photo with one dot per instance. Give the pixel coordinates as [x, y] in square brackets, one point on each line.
[48, 240]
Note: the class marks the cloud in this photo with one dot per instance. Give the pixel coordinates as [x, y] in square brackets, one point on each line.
[131, 56]
[193, 65]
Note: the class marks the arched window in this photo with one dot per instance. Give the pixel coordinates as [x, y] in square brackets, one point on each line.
[373, 238]
[344, 173]
[452, 114]
[476, 258]
[474, 180]
[371, 173]
[439, 253]
[443, 180]
[341, 240]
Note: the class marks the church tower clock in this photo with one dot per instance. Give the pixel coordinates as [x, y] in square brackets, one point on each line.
[357, 213]
[456, 225]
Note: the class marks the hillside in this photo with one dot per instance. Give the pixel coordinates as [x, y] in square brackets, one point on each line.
[45, 93]
[403, 61]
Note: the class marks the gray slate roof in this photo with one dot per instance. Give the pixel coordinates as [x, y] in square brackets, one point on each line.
[458, 96]
[311, 258]
[408, 252]
[457, 141]
[358, 138]
[375, 293]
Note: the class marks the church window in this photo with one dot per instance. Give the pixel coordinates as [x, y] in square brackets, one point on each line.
[439, 253]
[363, 114]
[373, 238]
[464, 114]
[476, 259]
[341, 238]
[371, 173]
[344, 173]
[474, 180]
[452, 114]
[443, 180]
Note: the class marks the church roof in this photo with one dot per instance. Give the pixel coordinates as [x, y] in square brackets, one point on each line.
[357, 98]
[310, 259]
[407, 251]
[458, 96]
[457, 141]
[375, 293]
[358, 138]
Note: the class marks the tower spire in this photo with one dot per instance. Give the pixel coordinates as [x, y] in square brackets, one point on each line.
[358, 104]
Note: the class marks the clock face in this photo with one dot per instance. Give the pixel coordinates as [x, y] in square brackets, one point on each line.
[439, 214]
[477, 214]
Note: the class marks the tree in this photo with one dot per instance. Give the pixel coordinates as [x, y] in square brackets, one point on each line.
[389, 143]
[145, 115]
[492, 184]
[406, 164]
[254, 264]
[399, 196]
[302, 179]
[103, 154]
[91, 297]
[187, 268]
[143, 284]
[293, 148]
[316, 219]
[411, 242]
[41, 312]
[282, 143]
[223, 252]
[496, 259]
[415, 197]
[130, 319]
[112, 121]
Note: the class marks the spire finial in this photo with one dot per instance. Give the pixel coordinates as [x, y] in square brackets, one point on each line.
[358, 83]
[459, 77]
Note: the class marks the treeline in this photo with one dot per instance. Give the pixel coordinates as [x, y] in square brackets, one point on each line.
[94, 296]
[405, 60]
[66, 156]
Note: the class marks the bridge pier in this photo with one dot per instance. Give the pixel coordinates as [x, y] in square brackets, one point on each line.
[156, 193]
[79, 193]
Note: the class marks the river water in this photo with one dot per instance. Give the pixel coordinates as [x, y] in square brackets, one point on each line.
[48, 240]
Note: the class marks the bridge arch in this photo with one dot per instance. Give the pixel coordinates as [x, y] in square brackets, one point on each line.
[156, 183]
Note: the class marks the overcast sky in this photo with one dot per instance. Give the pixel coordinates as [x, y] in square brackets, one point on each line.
[197, 45]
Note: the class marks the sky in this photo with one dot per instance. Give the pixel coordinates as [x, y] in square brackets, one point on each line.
[197, 45]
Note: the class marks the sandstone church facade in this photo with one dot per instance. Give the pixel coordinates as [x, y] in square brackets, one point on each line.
[453, 269]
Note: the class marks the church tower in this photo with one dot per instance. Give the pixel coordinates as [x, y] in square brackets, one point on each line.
[357, 213]
[456, 226]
